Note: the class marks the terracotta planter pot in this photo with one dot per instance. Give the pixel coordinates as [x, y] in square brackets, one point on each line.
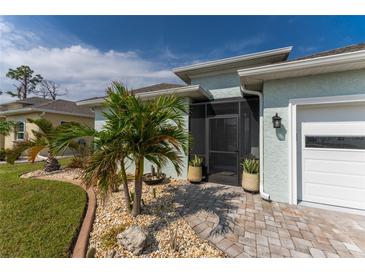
[195, 174]
[250, 182]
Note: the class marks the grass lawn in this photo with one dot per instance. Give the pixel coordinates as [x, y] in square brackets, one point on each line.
[37, 218]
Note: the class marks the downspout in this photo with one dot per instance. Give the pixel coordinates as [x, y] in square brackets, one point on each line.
[263, 195]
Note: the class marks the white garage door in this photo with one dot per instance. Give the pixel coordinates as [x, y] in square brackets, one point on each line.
[333, 163]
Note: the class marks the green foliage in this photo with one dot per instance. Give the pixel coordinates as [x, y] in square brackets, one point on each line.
[38, 218]
[6, 127]
[251, 166]
[2, 154]
[27, 82]
[196, 161]
[109, 238]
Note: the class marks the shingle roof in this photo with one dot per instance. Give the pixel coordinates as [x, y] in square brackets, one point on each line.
[65, 106]
[157, 87]
[346, 49]
[59, 105]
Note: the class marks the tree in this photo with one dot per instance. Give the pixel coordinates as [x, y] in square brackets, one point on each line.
[6, 127]
[27, 82]
[137, 130]
[44, 138]
[50, 89]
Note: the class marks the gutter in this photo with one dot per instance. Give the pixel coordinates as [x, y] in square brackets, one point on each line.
[263, 195]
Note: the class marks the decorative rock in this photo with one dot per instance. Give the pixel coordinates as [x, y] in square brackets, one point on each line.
[112, 254]
[133, 239]
[91, 252]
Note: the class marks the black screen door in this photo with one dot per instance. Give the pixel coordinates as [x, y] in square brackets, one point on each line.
[223, 149]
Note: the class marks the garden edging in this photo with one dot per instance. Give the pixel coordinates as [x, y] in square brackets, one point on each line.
[80, 248]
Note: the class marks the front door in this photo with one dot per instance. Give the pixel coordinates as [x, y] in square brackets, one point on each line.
[223, 150]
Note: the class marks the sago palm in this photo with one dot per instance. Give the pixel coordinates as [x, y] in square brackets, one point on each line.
[42, 140]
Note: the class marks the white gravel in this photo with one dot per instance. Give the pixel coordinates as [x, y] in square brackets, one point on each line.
[159, 217]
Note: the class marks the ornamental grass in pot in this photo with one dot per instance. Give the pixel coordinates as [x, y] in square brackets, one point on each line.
[250, 175]
[195, 173]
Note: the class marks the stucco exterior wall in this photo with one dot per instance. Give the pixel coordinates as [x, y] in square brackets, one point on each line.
[53, 117]
[276, 99]
[9, 139]
[220, 86]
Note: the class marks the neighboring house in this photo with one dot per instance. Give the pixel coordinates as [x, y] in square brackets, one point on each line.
[56, 111]
[316, 156]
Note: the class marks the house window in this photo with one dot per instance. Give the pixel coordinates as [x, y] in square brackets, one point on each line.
[338, 142]
[20, 131]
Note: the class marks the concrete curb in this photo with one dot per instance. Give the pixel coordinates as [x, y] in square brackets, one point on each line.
[82, 242]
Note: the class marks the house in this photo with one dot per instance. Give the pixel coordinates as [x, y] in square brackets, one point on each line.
[57, 111]
[313, 154]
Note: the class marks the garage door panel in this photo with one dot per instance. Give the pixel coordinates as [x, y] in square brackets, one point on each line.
[334, 195]
[334, 154]
[334, 167]
[340, 180]
[331, 149]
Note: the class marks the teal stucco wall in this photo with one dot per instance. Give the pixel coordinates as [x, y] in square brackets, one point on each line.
[220, 86]
[277, 94]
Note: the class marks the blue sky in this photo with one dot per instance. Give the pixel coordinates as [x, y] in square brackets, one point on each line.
[84, 53]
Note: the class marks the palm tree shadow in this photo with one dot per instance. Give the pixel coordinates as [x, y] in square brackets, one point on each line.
[205, 203]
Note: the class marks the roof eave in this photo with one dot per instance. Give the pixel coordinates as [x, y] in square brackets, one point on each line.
[305, 67]
[195, 92]
[183, 72]
[32, 110]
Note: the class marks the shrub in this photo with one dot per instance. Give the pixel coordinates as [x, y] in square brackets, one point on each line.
[251, 166]
[196, 161]
[2, 154]
[109, 238]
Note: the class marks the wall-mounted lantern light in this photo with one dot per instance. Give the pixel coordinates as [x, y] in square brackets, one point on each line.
[276, 121]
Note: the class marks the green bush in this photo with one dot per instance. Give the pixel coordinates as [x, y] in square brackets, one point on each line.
[251, 166]
[2, 154]
[196, 161]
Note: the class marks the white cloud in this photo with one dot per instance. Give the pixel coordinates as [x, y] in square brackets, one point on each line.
[84, 71]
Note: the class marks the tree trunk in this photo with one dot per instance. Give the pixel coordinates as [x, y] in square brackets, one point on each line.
[127, 196]
[138, 187]
[51, 164]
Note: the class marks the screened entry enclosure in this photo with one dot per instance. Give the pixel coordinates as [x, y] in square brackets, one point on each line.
[224, 132]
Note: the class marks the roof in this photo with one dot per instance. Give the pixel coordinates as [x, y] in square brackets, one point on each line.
[156, 87]
[195, 92]
[47, 105]
[233, 63]
[344, 59]
[346, 49]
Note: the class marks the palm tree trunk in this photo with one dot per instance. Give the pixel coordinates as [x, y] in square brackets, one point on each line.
[138, 188]
[51, 163]
[127, 196]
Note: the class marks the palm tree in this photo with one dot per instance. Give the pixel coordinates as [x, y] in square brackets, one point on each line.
[43, 139]
[135, 130]
[153, 130]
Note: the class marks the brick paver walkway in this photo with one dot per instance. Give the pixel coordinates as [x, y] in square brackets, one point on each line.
[243, 225]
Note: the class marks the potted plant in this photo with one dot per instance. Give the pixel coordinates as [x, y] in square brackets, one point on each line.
[154, 177]
[195, 169]
[250, 175]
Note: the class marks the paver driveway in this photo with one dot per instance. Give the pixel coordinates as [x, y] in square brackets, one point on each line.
[243, 225]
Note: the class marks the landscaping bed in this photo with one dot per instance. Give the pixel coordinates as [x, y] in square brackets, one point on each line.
[159, 218]
[38, 218]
